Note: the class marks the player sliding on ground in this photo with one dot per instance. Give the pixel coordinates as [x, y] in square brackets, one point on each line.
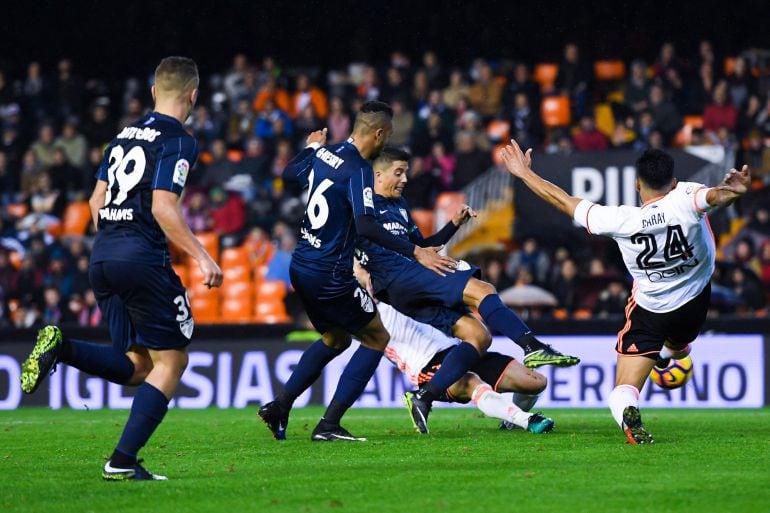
[135, 208]
[441, 301]
[667, 247]
[418, 350]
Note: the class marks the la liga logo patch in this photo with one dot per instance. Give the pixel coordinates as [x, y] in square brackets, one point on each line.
[181, 168]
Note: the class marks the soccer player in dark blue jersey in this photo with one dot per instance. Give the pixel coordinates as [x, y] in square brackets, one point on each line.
[135, 209]
[439, 301]
[340, 209]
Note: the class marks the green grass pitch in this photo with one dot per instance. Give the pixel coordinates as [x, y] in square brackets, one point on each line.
[226, 461]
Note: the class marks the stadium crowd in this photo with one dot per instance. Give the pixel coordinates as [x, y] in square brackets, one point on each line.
[252, 117]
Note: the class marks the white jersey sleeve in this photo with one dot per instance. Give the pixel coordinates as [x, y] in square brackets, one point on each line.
[666, 244]
[412, 344]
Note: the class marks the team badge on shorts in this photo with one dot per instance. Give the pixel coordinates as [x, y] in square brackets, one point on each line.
[186, 327]
[366, 301]
[181, 168]
[462, 265]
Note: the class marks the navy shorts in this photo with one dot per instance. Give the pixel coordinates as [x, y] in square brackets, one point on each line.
[142, 304]
[349, 306]
[490, 368]
[429, 298]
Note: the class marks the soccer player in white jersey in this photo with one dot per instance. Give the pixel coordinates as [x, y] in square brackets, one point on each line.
[418, 351]
[668, 248]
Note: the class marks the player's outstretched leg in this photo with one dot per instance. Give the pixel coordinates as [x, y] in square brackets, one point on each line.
[42, 360]
[276, 418]
[419, 409]
[634, 428]
[540, 354]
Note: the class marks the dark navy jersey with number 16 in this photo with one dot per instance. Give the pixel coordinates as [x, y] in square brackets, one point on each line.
[153, 153]
[340, 187]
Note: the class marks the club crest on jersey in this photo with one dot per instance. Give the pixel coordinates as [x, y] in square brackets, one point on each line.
[181, 168]
[368, 201]
[404, 214]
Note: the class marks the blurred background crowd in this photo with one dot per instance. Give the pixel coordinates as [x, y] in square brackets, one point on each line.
[255, 114]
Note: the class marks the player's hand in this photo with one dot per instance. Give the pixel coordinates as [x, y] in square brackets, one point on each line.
[736, 182]
[430, 258]
[463, 215]
[318, 137]
[212, 274]
[516, 162]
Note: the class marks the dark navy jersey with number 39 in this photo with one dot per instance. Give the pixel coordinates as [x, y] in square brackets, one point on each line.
[340, 188]
[153, 153]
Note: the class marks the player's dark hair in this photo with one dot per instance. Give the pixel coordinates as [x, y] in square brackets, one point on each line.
[655, 168]
[390, 154]
[373, 115]
[176, 74]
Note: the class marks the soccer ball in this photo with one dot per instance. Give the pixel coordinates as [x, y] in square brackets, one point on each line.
[675, 375]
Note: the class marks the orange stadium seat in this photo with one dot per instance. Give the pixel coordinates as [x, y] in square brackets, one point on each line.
[545, 74]
[236, 310]
[236, 273]
[232, 257]
[205, 308]
[498, 130]
[77, 217]
[183, 271]
[684, 136]
[555, 111]
[425, 221]
[608, 70]
[210, 242]
[270, 308]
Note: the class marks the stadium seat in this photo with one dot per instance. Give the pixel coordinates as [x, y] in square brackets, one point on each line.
[232, 257]
[77, 217]
[608, 70]
[684, 136]
[237, 289]
[236, 273]
[236, 310]
[545, 74]
[555, 111]
[425, 221]
[205, 308]
[498, 130]
[270, 308]
[210, 242]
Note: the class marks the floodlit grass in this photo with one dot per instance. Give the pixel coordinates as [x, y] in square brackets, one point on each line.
[226, 461]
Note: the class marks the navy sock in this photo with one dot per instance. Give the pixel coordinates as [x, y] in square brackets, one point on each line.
[455, 364]
[98, 360]
[353, 381]
[502, 319]
[147, 412]
[309, 367]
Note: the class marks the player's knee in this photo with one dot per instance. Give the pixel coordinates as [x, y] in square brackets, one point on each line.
[482, 341]
[539, 382]
[336, 340]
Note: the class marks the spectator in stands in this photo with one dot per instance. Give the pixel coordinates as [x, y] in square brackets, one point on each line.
[80, 280]
[760, 221]
[740, 83]
[274, 95]
[420, 89]
[241, 123]
[526, 126]
[495, 274]
[395, 86]
[612, 301]
[403, 124]
[588, 138]
[52, 310]
[228, 212]
[30, 171]
[622, 137]
[65, 177]
[664, 113]
[560, 143]
[666, 61]
[8, 182]
[764, 266]
[99, 130]
[720, 113]
[46, 201]
[255, 162]
[272, 123]
[195, 212]
[573, 79]
[43, 147]
[278, 267]
[432, 132]
[235, 78]
[9, 276]
[531, 257]
[748, 117]
[432, 68]
[442, 164]
[30, 280]
[456, 90]
[745, 256]
[203, 127]
[637, 88]
[338, 122]
[423, 186]
[221, 169]
[92, 316]
[307, 94]
[69, 91]
[283, 154]
[12, 145]
[756, 154]
[701, 89]
[486, 94]
[521, 83]
[72, 143]
[134, 112]
[564, 285]
[34, 90]
[305, 123]
[747, 287]
[471, 162]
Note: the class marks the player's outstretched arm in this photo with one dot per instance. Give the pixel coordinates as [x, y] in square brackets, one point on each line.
[96, 201]
[299, 167]
[735, 184]
[442, 236]
[165, 209]
[518, 164]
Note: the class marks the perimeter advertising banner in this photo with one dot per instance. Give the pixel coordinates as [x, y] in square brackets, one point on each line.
[729, 373]
[608, 178]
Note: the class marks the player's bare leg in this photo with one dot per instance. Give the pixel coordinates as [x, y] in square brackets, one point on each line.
[632, 372]
[483, 296]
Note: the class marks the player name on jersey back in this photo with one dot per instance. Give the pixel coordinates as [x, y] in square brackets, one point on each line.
[329, 158]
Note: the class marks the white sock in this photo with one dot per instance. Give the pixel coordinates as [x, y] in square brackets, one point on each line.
[667, 352]
[495, 405]
[525, 401]
[620, 398]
